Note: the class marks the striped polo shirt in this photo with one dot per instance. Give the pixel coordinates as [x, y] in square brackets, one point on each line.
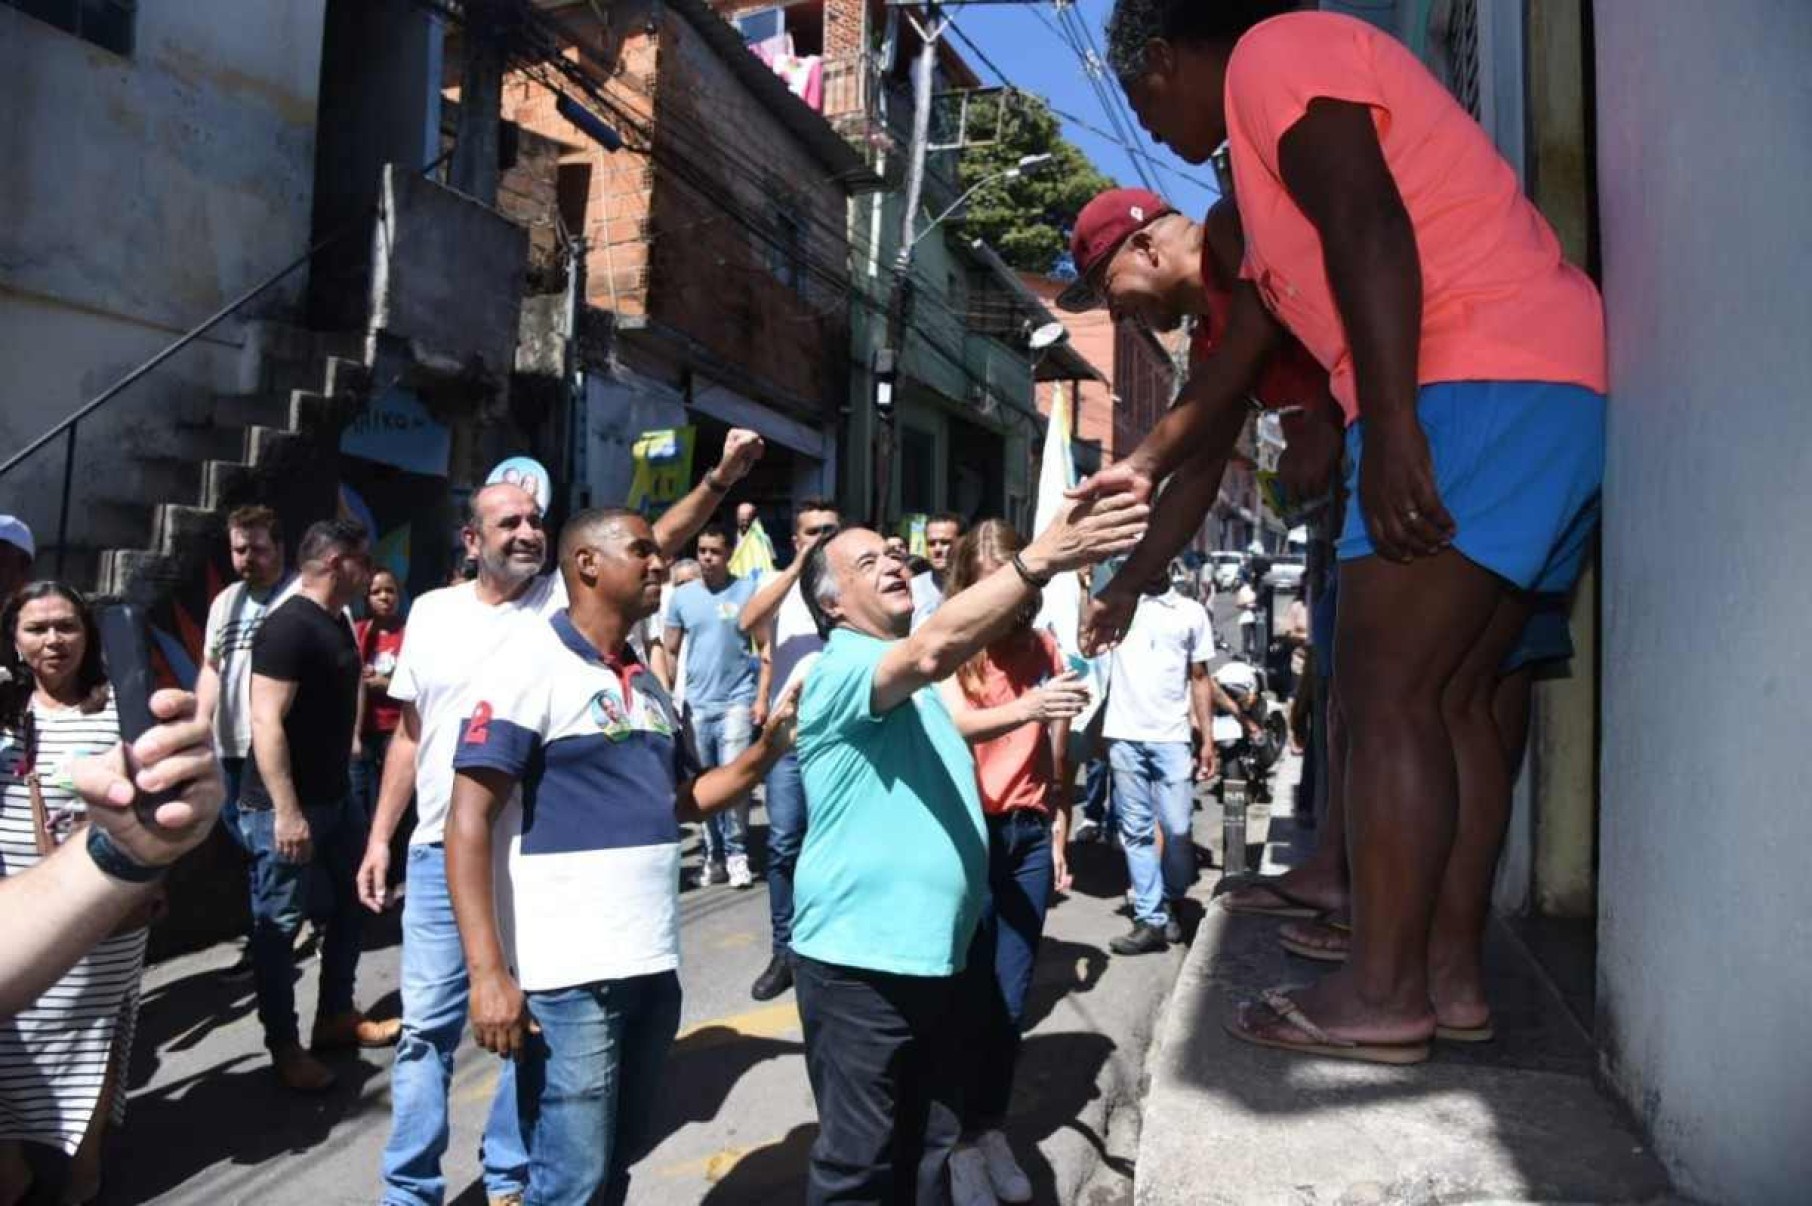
[587, 850]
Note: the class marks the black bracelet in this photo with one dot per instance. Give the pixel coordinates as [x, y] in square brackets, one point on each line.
[117, 863]
[1027, 576]
[714, 485]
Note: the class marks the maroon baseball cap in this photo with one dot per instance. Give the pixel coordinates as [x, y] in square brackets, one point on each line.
[1105, 223]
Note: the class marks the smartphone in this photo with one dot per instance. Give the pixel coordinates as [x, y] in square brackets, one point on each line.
[126, 653]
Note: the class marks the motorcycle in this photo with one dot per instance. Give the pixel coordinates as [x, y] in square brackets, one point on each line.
[1249, 744]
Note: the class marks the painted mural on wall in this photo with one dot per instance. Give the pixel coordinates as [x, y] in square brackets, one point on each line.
[392, 478]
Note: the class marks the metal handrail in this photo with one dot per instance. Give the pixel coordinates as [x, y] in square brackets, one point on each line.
[67, 427]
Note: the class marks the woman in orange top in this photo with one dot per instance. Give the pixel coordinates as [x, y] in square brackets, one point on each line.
[1384, 232]
[1013, 703]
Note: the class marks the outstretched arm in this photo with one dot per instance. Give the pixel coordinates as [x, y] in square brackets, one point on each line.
[681, 522]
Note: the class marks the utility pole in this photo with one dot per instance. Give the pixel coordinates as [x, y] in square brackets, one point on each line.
[889, 358]
[474, 170]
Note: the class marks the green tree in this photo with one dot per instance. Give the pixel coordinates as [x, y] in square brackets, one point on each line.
[1027, 220]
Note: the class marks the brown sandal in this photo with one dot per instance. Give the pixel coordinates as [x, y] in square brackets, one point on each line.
[1319, 1042]
[1287, 905]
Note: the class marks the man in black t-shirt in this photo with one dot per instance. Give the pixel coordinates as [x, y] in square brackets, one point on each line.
[300, 823]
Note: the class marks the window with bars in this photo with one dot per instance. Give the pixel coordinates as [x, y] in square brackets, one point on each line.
[106, 23]
[1462, 53]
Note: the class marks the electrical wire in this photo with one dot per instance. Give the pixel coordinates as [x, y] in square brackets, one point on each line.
[1132, 150]
[834, 277]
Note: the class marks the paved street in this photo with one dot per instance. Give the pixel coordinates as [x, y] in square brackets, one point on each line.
[207, 1122]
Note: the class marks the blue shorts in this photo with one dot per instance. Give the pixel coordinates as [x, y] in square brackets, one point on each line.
[1518, 464]
[1545, 638]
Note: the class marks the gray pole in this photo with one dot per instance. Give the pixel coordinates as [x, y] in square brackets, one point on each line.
[902, 265]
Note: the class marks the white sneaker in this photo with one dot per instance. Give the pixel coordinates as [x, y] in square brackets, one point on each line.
[969, 1184]
[1010, 1181]
[740, 875]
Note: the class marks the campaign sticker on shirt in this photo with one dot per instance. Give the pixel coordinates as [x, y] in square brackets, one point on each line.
[608, 714]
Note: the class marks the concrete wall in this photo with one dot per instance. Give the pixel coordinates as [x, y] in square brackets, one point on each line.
[1704, 151]
[447, 275]
[139, 194]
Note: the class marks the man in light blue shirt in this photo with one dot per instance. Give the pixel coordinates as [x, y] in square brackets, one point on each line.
[890, 881]
[720, 673]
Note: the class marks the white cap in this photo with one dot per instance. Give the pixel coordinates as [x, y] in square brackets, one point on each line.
[14, 532]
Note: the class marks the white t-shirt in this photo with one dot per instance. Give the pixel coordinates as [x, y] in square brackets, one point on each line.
[233, 620]
[927, 597]
[448, 647]
[795, 636]
[1148, 698]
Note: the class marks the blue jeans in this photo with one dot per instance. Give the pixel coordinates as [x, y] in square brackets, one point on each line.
[722, 734]
[1002, 957]
[435, 991]
[1154, 785]
[786, 834]
[1098, 802]
[322, 889]
[232, 773]
[586, 1085]
[368, 770]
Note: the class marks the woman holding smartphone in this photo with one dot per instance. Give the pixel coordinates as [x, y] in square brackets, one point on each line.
[63, 1057]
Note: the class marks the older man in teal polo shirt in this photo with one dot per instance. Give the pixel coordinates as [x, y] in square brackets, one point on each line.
[891, 879]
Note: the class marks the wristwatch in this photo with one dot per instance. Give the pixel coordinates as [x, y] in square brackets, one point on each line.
[116, 863]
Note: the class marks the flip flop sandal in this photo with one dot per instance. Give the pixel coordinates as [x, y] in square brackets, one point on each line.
[1466, 1034]
[1320, 1042]
[1309, 950]
[1292, 906]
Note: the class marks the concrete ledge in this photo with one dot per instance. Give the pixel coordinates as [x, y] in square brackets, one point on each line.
[1516, 1120]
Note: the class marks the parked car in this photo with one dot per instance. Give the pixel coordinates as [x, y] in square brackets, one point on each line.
[1285, 573]
[1228, 568]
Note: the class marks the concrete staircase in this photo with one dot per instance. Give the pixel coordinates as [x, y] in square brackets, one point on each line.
[155, 520]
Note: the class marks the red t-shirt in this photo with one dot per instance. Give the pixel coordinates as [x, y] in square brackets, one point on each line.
[1291, 377]
[1014, 770]
[378, 648]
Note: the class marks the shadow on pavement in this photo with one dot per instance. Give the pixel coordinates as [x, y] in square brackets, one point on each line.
[1064, 968]
[773, 1174]
[233, 1113]
[1058, 1075]
[702, 1069]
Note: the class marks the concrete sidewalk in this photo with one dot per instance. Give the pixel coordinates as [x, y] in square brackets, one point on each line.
[1519, 1119]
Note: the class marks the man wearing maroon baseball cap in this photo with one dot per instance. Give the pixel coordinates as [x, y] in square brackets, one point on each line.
[1105, 227]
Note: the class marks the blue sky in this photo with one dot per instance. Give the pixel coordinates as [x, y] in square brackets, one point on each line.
[1021, 41]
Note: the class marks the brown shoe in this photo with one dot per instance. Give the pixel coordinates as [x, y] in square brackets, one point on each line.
[301, 1072]
[354, 1029]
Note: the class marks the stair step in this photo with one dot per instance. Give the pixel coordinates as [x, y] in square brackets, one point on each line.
[137, 573]
[262, 443]
[226, 484]
[176, 524]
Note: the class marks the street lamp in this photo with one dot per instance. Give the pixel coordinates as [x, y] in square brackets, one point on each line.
[1027, 163]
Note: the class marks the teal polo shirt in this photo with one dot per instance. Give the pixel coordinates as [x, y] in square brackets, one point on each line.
[895, 863]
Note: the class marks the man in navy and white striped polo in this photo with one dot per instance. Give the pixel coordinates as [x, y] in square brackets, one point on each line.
[572, 777]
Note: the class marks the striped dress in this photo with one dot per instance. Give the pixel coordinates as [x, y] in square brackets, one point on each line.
[54, 1054]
